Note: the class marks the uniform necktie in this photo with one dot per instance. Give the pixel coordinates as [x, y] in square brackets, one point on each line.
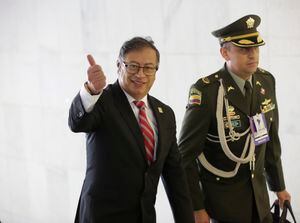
[248, 95]
[146, 129]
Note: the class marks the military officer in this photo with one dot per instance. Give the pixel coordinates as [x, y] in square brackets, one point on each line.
[229, 137]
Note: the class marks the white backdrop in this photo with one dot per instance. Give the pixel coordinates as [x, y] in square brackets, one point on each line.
[43, 47]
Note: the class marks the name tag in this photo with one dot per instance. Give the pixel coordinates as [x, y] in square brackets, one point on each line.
[258, 128]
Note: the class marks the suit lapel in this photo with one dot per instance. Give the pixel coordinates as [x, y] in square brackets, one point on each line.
[233, 92]
[126, 112]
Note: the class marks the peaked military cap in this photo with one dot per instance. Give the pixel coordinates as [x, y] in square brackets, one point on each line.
[241, 33]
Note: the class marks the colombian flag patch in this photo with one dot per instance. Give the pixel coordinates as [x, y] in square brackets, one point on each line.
[195, 97]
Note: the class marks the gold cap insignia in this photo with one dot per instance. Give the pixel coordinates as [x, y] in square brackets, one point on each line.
[250, 23]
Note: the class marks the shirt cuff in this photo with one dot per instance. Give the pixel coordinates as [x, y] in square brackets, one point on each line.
[88, 101]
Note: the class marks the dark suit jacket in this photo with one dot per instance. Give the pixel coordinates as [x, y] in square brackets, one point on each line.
[231, 199]
[119, 185]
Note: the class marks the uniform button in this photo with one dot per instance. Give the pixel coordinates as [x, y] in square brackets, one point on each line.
[218, 178]
[271, 119]
[216, 76]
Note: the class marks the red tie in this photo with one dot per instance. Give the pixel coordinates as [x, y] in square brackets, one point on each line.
[146, 129]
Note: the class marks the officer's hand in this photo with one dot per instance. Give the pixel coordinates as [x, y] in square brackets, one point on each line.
[96, 77]
[282, 196]
[201, 216]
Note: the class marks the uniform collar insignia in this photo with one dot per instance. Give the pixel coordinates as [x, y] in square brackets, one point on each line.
[160, 110]
[230, 88]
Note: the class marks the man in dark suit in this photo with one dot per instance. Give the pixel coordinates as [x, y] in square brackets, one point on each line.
[229, 137]
[131, 142]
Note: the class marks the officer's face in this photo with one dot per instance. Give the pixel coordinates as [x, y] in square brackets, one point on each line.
[241, 61]
[137, 84]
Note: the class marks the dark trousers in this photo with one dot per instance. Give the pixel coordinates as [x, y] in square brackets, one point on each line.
[254, 218]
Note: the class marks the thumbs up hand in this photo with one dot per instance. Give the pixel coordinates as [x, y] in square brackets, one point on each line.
[96, 78]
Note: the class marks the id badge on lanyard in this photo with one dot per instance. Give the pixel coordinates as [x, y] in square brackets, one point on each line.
[258, 126]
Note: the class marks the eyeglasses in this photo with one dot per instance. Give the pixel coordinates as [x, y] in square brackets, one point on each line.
[132, 68]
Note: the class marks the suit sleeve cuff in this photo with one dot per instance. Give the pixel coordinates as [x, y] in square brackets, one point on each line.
[88, 101]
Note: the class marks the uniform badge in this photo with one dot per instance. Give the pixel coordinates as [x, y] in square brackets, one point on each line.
[160, 110]
[205, 80]
[231, 110]
[258, 83]
[235, 122]
[250, 23]
[262, 91]
[230, 88]
[235, 119]
[267, 105]
[266, 102]
[195, 97]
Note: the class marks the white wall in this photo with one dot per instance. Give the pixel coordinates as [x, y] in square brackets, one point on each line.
[43, 45]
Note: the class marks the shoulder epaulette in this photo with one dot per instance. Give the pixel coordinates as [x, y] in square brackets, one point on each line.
[205, 81]
[262, 71]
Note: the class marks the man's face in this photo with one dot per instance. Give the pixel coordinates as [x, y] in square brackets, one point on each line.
[241, 61]
[137, 84]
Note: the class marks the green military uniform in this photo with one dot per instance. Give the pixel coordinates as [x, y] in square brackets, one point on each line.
[227, 173]
[225, 197]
